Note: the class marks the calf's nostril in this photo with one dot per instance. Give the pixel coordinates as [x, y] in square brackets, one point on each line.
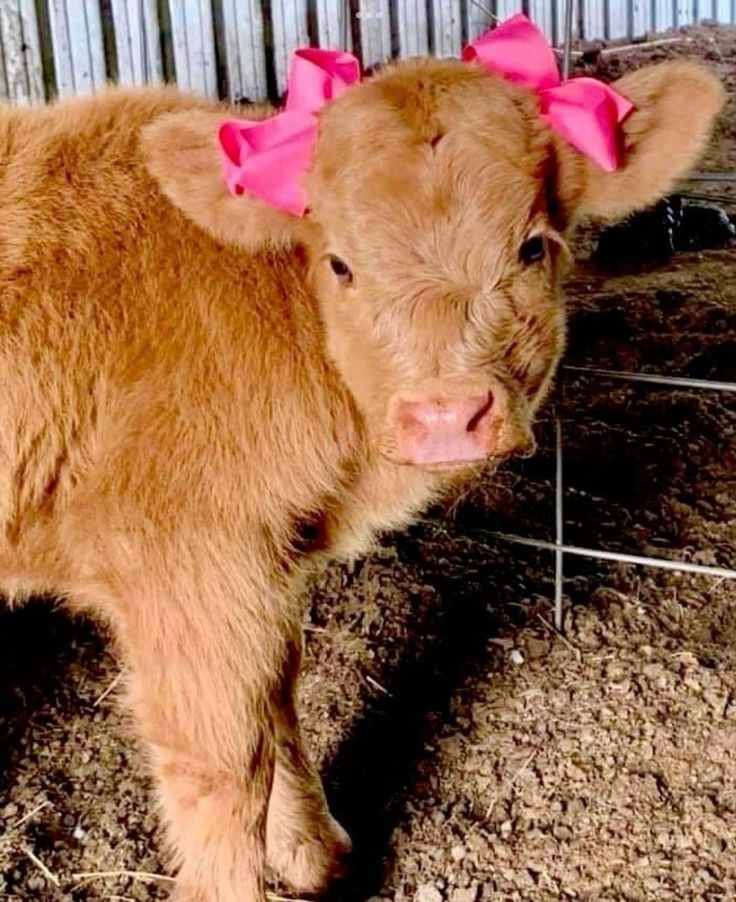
[484, 407]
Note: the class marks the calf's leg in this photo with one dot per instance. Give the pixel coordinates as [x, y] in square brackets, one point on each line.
[203, 673]
[305, 844]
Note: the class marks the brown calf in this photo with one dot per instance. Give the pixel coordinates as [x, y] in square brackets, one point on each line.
[201, 396]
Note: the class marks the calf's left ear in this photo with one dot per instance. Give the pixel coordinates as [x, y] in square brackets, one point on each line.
[675, 106]
[182, 152]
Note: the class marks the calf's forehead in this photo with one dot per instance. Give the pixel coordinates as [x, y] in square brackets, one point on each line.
[425, 152]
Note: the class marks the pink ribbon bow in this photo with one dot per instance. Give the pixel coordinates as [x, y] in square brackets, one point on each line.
[584, 111]
[269, 157]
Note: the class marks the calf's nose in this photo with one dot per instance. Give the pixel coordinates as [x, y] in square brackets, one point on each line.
[443, 430]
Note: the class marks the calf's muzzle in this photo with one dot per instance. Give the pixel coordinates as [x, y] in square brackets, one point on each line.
[448, 424]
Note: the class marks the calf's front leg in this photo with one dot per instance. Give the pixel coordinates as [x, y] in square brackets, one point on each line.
[203, 675]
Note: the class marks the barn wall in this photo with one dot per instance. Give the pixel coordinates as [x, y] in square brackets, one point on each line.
[239, 48]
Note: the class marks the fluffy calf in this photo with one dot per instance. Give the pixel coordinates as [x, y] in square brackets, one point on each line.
[202, 396]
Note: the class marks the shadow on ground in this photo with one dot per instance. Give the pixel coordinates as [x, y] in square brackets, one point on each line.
[39, 646]
[374, 770]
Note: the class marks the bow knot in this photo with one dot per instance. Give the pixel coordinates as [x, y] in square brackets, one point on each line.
[269, 157]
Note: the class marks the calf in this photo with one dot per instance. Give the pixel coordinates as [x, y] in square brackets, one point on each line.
[204, 395]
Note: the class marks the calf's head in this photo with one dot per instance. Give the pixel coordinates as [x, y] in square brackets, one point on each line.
[438, 206]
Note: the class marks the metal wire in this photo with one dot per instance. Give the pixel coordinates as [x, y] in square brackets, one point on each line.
[559, 527]
[559, 547]
[559, 483]
[620, 556]
[654, 379]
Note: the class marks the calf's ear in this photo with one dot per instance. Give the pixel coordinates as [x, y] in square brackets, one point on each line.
[181, 151]
[675, 106]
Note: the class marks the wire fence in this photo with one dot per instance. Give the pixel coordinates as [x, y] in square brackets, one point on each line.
[559, 546]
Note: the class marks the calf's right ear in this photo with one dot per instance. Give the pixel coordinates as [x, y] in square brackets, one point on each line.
[182, 152]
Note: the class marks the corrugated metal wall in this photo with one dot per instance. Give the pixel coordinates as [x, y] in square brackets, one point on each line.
[239, 48]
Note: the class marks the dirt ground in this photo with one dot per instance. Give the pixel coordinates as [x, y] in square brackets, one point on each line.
[472, 753]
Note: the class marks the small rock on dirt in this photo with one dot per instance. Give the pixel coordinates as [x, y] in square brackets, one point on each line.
[428, 892]
[468, 894]
[458, 853]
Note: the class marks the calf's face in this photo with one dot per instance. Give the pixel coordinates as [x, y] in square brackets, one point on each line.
[436, 258]
[438, 205]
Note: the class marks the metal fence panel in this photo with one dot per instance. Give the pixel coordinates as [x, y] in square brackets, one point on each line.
[245, 53]
[76, 39]
[663, 15]
[333, 18]
[641, 22]
[725, 11]
[193, 40]
[413, 28]
[375, 31]
[4, 91]
[289, 31]
[594, 19]
[619, 13]
[240, 48]
[685, 11]
[448, 27]
[137, 41]
[506, 8]
[21, 72]
[542, 12]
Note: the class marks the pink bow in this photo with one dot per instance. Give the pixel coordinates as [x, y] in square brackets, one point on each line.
[269, 157]
[584, 111]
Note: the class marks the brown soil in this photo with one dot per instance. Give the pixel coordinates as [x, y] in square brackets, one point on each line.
[474, 755]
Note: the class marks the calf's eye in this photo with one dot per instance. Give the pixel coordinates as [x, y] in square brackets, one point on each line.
[532, 250]
[341, 270]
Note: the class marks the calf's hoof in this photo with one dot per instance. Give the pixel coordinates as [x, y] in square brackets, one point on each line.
[310, 865]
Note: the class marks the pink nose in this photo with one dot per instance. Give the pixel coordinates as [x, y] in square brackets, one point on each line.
[443, 430]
